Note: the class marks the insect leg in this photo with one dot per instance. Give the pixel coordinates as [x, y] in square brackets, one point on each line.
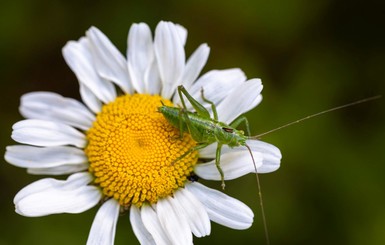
[240, 120]
[199, 108]
[213, 107]
[217, 163]
[192, 149]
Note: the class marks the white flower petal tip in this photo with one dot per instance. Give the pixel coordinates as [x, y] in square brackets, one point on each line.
[271, 155]
[54, 107]
[221, 208]
[243, 98]
[46, 133]
[140, 59]
[170, 56]
[44, 157]
[80, 58]
[234, 164]
[267, 158]
[104, 225]
[109, 63]
[50, 196]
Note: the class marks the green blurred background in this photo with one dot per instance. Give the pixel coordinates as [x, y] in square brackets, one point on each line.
[311, 55]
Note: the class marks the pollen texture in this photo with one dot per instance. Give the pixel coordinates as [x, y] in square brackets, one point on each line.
[132, 151]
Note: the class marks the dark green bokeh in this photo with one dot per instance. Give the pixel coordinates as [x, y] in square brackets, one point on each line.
[311, 55]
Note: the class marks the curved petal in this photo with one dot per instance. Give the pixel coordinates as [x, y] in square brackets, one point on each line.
[90, 99]
[153, 225]
[37, 157]
[140, 56]
[195, 64]
[173, 223]
[271, 155]
[59, 170]
[109, 62]
[44, 133]
[217, 84]
[154, 84]
[51, 196]
[221, 208]
[182, 33]
[104, 225]
[170, 55]
[138, 227]
[54, 107]
[195, 213]
[242, 99]
[234, 164]
[80, 58]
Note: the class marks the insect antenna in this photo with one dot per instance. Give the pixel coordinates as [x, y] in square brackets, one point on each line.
[260, 197]
[316, 114]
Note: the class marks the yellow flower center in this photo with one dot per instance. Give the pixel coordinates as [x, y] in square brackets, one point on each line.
[132, 151]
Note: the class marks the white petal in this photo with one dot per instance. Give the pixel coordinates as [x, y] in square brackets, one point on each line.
[37, 157]
[45, 133]
[90, 99]
[104, 225]
[138, 227]
[153, 225]
[244, 98]
[59, 170]
[109, 62]
[50, 196]
[170, 56]
[152, 78]
[217, 84]
[54, 107]
[195, 64]
[221, 208]
[182, 33]
[80, 58]
[195, 213]
[140, 56]
[234, 164]
[271, 155]
[173, 223]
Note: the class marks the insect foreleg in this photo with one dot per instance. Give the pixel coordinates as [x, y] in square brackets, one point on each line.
[192, 149]
[213, 107]
[217, 163]
[240, 120]
[199, 108]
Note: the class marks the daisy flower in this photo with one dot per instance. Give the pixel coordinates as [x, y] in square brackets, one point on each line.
[118, 150]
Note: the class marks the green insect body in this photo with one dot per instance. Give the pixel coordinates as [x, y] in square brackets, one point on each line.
[204, 129]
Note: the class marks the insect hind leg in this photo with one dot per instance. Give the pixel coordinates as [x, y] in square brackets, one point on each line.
[240, 120]
[213, 107]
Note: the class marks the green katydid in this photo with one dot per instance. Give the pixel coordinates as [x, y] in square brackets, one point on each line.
[206, 130]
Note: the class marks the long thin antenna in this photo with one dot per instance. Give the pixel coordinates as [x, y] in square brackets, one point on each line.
[260, 198]
[317, 114]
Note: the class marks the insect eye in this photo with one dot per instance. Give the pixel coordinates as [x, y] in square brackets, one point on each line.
[228, 130]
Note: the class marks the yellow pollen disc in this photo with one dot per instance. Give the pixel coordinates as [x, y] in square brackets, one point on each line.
[132, 151]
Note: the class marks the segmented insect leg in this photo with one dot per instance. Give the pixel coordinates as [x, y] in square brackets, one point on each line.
[200, 109]
[213, 107]
[180, 115]
[217, 163]
[192, 149]
[240, 120]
